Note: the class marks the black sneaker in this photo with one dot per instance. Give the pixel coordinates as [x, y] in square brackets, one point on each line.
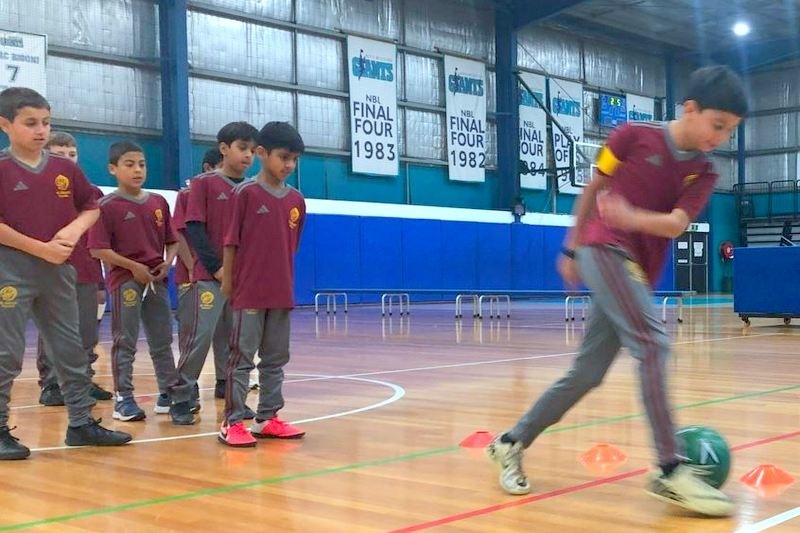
[219, 389]
[99, 393]
[93, 434]
[51, 395]
[10, 448]
[181, 414]
[249, 414]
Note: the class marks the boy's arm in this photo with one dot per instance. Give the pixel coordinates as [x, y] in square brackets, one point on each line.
[162, 271]
[228, 260]
[140, 272]
[185, 254]
[73, 231]
[617, 212]
[583, 207]
[55, 251]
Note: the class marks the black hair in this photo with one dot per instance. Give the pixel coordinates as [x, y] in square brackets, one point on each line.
[61, 138]
[121, 148]
[236, 131]
[212, 157]
[718, 87]
[15, 98]
[281, 135]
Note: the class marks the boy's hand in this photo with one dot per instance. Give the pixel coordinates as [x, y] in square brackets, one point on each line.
[142, 274]
[68, 234]
[160, 272]
[568, 269]
[615, 211]
[57, 250]
[218, 274]
[226, 289]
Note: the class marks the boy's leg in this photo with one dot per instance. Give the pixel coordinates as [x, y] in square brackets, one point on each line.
[87, 320]
[55, 311]
[47, 377]
[207, 304]
[157, 322]
[222, 342]
[620, 287]
[599, 348]
[273, 356]
[126, 304]
[249, 325]
[183, 314]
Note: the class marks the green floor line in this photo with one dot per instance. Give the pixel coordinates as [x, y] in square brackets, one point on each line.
[354, 466]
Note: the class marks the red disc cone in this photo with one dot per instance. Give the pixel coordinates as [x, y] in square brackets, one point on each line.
[601, 459]
[767, 480]
[479, 439]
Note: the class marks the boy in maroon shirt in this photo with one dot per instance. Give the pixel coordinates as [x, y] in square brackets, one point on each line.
[652, 181]
[262, 238]
[46, 205]
[90, 290]
[208, 213]
[131, 236]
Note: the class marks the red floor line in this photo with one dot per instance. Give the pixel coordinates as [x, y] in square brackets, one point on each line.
[566, 490]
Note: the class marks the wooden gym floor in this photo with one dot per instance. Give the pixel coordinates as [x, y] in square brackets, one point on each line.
[385, 404]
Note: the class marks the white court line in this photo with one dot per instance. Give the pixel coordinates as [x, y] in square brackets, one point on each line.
[396, 388]
[397, 393]
[452, 365]
[770, 522]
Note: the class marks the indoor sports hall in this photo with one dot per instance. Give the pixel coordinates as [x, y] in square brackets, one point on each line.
[448, 145]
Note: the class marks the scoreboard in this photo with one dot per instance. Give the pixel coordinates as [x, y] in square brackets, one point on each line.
[613, 110]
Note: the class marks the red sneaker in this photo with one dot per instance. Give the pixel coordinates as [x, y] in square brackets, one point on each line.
[236, 436]
[275, 428]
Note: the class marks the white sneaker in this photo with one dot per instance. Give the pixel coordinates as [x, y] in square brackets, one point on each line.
[508, 458]
[685, 488]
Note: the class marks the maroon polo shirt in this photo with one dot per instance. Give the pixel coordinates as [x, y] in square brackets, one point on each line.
[135, 228]
[265, 227]
[646, 168]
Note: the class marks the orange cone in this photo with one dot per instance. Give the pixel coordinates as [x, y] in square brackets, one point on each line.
[479, 439]
[602, 459]
[767, 480]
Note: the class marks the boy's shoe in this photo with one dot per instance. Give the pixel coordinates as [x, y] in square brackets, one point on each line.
[163, 404]
[93, 434]
[685, 488]
[181, 413]
[194, 401]
[508, 458]
[236, 435]
[127, 410]
[10, 448]
[249, 414]
[51, 395]
[275, 428]
[99, 393]
[219, 389]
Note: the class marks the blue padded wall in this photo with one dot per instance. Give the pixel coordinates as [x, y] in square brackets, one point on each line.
[460, 254]
[494, 256]
[422, 256]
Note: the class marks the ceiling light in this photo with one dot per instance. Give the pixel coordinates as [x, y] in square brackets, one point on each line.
[741, 29]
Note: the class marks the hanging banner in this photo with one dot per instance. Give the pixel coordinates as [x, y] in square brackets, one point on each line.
[22, 61]
[373, 106]
[532, 133]
[641, 108]
[466, 118]
[566, 105]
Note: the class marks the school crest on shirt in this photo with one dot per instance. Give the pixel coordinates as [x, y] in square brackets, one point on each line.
[635, 271]
[689, 179]
[62, 186]
[159, 214]
[129, 297]
[294, 216]
[206, 300]
[8, 297]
